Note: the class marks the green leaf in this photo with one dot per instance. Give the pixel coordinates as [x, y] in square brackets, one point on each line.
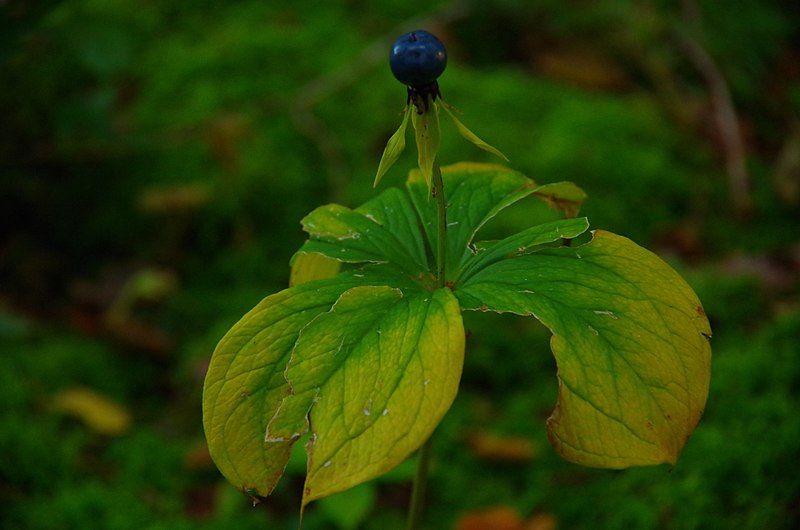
[474, 193]
[373, 376]
[469, 135]
[630, 339]
[523, 243]
[308, 267]
[394, 147]
[384, 230]
[564, 196]
[394, 211]
[427, 134]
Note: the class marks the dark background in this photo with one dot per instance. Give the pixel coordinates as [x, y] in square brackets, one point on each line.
[156, 157]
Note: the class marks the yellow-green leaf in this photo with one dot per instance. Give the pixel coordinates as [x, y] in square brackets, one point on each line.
[630, 339]
[394, 147]
[471, 136]
[307, 267]
[374, 376]
[245, 384]
[95, 410]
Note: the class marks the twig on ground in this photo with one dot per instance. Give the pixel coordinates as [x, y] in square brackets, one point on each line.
[725, 116]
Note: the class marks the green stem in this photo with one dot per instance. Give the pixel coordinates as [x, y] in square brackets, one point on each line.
[420, 483]
[441, 207]
[421, 477]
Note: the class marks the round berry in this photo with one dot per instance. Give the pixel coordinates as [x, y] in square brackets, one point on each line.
[417, 58]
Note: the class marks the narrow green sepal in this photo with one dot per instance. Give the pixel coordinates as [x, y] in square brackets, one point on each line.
[469, 135]
[426, 129]
[394, 148]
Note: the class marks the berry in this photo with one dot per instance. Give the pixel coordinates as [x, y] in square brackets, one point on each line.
[417, 59]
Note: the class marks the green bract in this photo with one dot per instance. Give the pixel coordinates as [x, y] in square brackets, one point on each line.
[367, 358]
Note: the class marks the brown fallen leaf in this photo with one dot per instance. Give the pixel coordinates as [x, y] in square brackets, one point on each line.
[502, 448]
[198, 457]
[200, 502]
[175, 199]
[496, 518]
[583, 68]
[96, 411]
[541, 521]
[139, 335]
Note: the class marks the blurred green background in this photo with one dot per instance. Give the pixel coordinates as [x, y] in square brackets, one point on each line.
[155, 160]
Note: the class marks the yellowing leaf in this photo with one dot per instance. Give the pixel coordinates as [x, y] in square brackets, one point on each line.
[245, 383]
[394, 147]
[374, 376]
[630, 339]
[471, 136]
[95, 410]
[307, 267]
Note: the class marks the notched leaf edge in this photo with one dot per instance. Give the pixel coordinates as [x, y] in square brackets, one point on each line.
[670, 449]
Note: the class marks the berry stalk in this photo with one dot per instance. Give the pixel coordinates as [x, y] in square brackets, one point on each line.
[417, 505]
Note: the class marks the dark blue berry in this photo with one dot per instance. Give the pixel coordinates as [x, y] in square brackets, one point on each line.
[417, 59]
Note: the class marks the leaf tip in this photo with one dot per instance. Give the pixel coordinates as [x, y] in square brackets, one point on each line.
[378, 177]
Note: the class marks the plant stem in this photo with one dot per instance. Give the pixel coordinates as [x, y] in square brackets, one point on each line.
[421, 477]
[420, 483]
[441, 207]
